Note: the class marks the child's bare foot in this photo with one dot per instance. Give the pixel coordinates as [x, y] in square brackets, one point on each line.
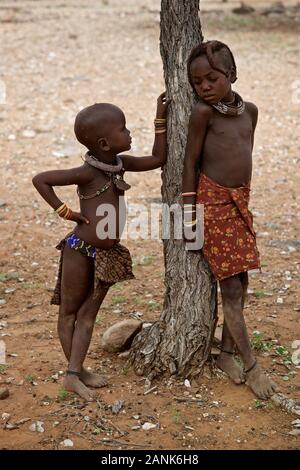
[259, 383]
[73, 384]
[93, 380]
[228, 364]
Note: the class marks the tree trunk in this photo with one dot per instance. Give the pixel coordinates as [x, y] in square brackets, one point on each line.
[180, 341]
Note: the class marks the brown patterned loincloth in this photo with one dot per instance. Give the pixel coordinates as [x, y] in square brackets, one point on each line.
[111, 266]
[229, 238]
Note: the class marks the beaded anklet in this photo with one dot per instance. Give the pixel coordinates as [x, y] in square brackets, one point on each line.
[227, 352]
[251, 368]
[72, 372]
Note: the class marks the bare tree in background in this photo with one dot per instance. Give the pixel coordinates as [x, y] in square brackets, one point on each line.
[180, 341]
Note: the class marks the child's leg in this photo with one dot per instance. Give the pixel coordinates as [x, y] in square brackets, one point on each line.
[76, 298]
[81, 340]
[233, 292]
[76, 283]
[226, 361]
[244, 281]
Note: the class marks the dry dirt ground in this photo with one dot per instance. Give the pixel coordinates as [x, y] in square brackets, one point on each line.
[56, 57]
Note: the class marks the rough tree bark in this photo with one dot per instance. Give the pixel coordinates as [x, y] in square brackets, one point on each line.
[180, 341]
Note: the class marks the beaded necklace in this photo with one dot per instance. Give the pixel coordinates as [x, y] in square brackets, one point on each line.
[234, 108]
[113, 172]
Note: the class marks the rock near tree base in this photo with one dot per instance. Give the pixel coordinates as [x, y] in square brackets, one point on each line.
[4, 393]
[120, 336]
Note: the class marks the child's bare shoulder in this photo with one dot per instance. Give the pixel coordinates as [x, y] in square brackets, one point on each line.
[251, 108]
[201, 109]
[200, 114]
[87, 169]
[85, 172]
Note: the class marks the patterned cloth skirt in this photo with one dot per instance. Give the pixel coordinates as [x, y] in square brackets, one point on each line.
[111, 266]
[229, 238]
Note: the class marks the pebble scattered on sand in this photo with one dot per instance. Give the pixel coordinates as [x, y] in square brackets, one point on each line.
[4, 393]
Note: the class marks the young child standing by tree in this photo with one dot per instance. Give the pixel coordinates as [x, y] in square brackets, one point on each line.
[220, 143]
[92, 259]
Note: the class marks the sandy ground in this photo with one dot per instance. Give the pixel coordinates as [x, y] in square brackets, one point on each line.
[57, 57]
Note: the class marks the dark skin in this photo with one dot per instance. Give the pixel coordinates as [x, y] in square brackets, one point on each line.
[104, 132]
[222, 146]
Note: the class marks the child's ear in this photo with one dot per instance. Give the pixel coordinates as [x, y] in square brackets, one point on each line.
[103, 144]
[232, 75]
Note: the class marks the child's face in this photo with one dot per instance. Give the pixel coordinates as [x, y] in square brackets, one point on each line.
[212, 86]
[119, 138]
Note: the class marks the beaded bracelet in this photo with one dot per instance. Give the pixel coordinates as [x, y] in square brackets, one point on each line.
[191, 193]
[64, 211]
[190, 224]
[69, 214]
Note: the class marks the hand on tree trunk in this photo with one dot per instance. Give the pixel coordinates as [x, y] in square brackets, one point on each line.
[162, 106]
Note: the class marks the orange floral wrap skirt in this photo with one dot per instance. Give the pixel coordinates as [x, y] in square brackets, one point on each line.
[229, 238]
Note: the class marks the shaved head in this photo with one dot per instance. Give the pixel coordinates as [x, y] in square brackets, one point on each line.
[96, 121]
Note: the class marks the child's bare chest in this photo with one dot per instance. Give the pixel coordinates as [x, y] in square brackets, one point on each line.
[100, 179]
[228, 129]
[103, 186]
[227, 151]
[102, 190]
[100, 199]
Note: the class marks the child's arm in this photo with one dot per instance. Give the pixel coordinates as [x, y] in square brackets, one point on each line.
[159, 151]
[45, 181]
[254, 116]
[199, 120]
